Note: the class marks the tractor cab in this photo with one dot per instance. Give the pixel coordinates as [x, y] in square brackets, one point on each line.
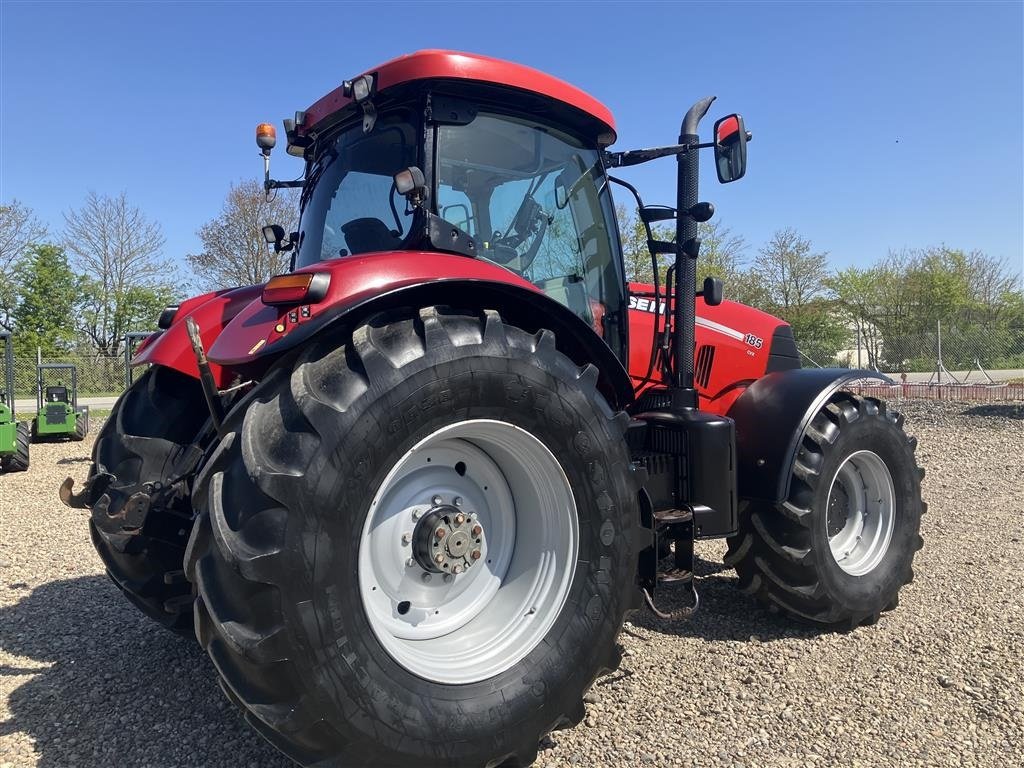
[58, 394]
[476, 167]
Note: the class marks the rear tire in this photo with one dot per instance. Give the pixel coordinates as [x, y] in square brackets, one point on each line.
[81, 428]
[840, 548]
[19, 460]
[148, 441]
[285, 606]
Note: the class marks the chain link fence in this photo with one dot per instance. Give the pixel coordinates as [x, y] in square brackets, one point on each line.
[946, 362]
[98, 376]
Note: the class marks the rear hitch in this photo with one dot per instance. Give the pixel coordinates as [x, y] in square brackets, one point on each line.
[94, 487]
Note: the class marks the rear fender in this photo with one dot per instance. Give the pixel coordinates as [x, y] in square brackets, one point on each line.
[212, 312]
[771, 416]
[361, 286]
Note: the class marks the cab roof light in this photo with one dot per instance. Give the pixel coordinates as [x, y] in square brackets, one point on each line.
[296, 288]
[359, 89]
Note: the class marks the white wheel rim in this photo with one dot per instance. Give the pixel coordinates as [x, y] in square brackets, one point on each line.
[459, 629]
[860, 513]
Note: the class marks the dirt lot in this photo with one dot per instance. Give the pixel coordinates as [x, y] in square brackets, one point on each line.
[86, 681]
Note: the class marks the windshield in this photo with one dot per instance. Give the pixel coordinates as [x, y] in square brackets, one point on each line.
[351, 206]
[536, 201]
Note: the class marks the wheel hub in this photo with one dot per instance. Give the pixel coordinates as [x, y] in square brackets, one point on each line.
[447, 540]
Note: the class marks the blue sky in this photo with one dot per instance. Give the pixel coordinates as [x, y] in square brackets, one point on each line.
[876, 126]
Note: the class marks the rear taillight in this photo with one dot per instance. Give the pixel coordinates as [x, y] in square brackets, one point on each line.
[296, 288]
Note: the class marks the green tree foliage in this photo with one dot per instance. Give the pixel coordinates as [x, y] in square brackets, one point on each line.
[19, 231]
[48, 293]
[793, 280]
[898, 305]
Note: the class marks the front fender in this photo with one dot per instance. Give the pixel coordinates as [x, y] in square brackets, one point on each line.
[212, 312]
[771, 416]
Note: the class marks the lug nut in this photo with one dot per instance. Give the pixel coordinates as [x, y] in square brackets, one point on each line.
[437, 501]
[439, 533]
[457, 501]
[460, 519]
[477, 530]
[438, 558]
[406, 537]
[410, 562]
[448, 577]
[417, 514]
[426, 577]
[457, 569]
[475, 554]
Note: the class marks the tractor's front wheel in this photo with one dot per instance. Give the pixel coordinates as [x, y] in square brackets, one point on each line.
[143, 461]
[840, 548]
[417, 545]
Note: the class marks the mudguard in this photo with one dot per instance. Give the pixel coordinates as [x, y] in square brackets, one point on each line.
[259, 333]
[771, 416]
[212, 311]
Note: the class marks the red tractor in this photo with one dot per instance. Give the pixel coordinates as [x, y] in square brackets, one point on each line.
[406, 494]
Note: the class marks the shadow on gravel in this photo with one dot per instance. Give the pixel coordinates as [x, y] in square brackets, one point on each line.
[114, 689]
[76, 460]
[998, 411]
[725, 614]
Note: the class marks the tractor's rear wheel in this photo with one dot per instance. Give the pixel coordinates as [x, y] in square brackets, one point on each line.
[18, 461]
[416, 545]
[81, 427]
[148, 446]
[840, 548]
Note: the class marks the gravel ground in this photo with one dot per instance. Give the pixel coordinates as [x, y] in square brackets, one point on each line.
[87, 681]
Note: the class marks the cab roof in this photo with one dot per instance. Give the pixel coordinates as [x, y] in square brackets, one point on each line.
[453, 65]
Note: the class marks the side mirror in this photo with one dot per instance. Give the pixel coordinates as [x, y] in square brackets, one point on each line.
[730, 148]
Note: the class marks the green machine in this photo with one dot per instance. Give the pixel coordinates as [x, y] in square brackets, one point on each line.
[14, 435]
[57, 411]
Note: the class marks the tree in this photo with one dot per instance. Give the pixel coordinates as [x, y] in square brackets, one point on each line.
[19, 230]
[48, 293]
[794, 279]
[789, 271]
[860, 294]
[234, 251]
[118, 250]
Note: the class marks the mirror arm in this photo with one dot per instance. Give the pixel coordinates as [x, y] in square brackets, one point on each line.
[270, 184]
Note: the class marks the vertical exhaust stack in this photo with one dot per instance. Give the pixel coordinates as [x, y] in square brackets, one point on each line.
[687, 249]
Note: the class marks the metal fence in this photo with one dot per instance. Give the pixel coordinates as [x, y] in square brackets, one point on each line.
[98, 376]
[947, 363]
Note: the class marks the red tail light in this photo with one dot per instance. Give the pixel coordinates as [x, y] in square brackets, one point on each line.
[296, 288]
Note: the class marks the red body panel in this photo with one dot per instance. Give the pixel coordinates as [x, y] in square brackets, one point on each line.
[741, 337]
[452, 65]
[212, 311]
[257, 328]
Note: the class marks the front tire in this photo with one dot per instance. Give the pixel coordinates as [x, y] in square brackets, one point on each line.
[311, 565]
[838, 551]
[148, 444]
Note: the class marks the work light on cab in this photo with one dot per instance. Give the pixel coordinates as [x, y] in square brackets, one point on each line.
[296, 288]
